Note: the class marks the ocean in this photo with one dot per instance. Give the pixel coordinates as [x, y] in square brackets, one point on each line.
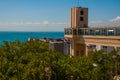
[23, 36]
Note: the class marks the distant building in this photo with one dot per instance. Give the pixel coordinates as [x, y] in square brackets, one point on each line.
[33, 39]
[59, 45]
[66, 47]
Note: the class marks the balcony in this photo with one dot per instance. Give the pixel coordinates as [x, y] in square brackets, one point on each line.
[109, 31]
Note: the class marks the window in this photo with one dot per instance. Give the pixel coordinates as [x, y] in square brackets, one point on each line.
[85, 25]
[81, 19]
[110, 32]
[81, 12]
[118, 32]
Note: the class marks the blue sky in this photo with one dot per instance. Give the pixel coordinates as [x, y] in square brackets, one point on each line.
[54, 15]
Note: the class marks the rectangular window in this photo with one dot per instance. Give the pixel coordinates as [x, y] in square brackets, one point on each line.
[81, 18]
[81, 12]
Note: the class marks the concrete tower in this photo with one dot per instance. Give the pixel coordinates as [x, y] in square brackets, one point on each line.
[79, 17]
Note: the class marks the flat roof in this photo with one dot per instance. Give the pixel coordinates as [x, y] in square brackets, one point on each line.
[80, 7]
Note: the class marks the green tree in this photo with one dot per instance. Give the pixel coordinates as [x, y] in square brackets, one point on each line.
[28, 61]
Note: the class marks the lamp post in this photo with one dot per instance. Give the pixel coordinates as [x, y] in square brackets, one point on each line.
[71, 77]
[48, 72]
[115, 59]
[95, 65]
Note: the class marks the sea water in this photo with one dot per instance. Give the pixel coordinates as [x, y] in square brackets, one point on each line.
[23, 36]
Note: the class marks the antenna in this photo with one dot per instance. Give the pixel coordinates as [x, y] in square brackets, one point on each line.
[78, 3]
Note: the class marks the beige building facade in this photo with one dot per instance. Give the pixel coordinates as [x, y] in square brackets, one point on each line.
[81, 36]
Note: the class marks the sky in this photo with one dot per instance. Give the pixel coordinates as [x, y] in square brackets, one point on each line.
[54, 15]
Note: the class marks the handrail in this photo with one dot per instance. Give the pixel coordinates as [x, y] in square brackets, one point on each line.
[111, 31]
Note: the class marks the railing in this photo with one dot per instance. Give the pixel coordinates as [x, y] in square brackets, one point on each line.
[109, 31]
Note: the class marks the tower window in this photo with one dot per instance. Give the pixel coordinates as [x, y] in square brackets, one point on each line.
[81, 19]
[81, 12]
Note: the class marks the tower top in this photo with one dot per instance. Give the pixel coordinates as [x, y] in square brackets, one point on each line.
[79, 17]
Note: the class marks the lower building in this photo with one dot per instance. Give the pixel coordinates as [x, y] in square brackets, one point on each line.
[59, 45]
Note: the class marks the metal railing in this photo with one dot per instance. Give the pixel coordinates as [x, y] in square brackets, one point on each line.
[107, 31]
